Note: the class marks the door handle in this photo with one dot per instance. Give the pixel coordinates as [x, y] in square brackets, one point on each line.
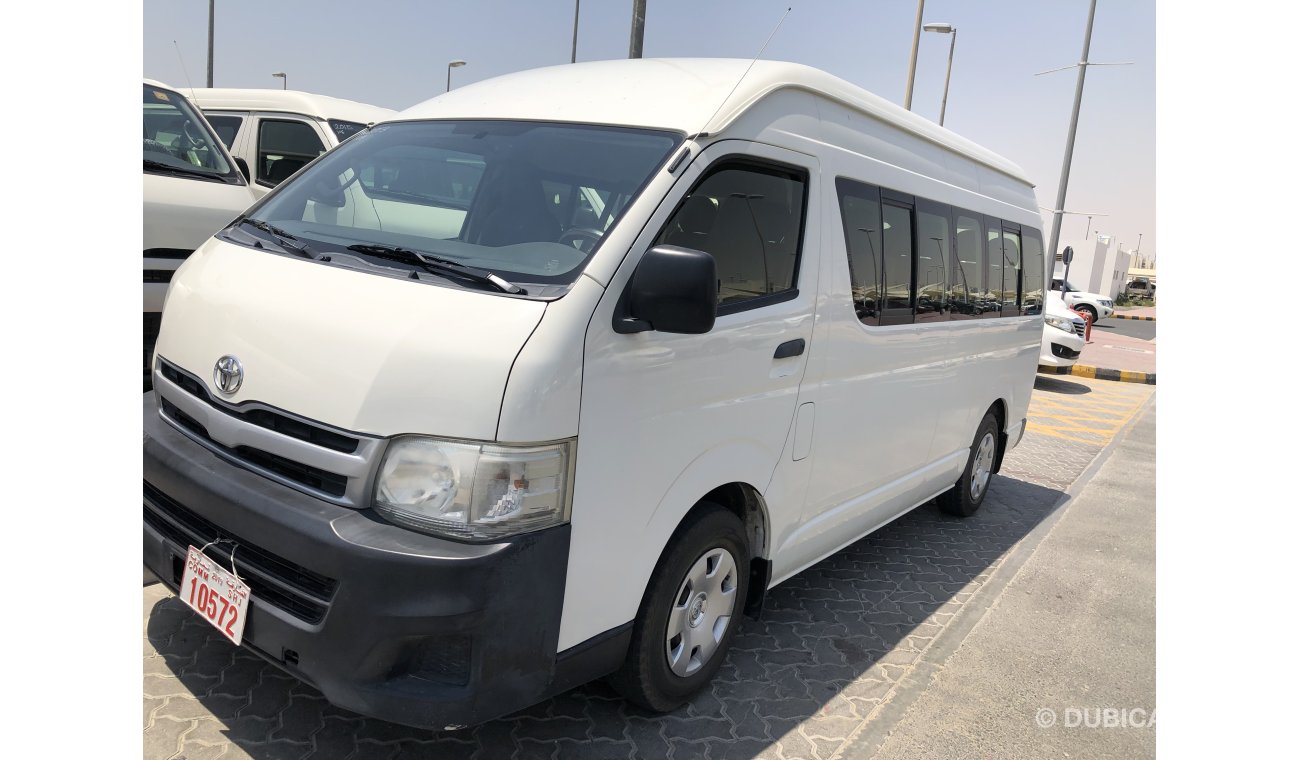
[789, 348]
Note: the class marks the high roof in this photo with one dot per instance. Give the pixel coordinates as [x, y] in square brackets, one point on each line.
[673, 93]
[289, 101]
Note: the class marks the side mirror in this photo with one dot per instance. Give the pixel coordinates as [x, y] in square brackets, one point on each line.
[242, 165]
[673, 290]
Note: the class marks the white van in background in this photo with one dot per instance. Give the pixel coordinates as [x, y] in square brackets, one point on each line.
[274, 133]
[649, 357]
[191, 189]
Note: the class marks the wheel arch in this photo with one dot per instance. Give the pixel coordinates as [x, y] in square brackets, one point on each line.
[999, 408]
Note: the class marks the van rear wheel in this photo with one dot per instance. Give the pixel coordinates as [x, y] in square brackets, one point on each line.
[689, 613]
[969, 492]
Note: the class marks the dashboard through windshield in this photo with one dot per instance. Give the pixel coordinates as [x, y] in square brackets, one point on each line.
[528, 201]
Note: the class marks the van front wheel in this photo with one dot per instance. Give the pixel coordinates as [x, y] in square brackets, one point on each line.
[689, 614]
[967, 496]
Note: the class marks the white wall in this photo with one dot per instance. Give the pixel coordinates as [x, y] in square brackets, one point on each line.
[1098, 267]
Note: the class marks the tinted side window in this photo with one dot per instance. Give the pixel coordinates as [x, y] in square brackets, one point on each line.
[344, 129]
[991, 299]
[968, 270]
[1031, 300]
[860, 214]
[226, 128]
[898, 261]
[284, 147]
[750, 218]
[933, 241]
[1010, 272]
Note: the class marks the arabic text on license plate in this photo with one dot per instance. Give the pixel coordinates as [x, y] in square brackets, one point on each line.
[214, 593]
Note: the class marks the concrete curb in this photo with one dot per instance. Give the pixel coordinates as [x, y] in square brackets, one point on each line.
[1126, 316]
[1099, 373]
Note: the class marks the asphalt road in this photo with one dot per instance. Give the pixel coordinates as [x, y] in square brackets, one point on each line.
[1134, 328]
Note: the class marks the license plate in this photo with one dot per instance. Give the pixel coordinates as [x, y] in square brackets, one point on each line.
[217, 595]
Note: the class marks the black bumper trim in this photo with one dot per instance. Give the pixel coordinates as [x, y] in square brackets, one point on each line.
[422, 631]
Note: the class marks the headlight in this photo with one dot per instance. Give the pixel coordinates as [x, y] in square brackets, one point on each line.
[1060, 323]
[474, 490]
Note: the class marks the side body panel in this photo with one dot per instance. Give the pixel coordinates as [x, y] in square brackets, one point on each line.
[179, 214]
[667, 418]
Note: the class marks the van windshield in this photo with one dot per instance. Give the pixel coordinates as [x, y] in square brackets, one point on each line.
[177, 141]
[529, 201]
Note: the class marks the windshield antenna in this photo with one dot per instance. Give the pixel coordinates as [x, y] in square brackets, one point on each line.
[181, 58]
[703, 131]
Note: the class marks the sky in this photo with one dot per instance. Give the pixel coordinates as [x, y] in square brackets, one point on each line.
[394, 53]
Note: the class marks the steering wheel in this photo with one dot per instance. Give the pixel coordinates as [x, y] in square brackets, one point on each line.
[588, 235]
[193, 138]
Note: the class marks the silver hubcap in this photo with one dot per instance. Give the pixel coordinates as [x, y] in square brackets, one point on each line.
[983, 469]
[701, 612]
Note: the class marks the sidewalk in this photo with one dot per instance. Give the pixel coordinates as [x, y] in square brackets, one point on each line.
[1136, 311]
[1063, 662]
[1110, 351]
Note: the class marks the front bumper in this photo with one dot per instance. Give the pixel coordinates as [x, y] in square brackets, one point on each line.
[1056, 347]
[386, 622]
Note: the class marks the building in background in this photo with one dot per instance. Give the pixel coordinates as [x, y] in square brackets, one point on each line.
[1099, 265]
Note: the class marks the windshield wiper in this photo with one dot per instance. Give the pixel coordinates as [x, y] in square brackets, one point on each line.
[190, 171]
[283, 238]
[438, 266]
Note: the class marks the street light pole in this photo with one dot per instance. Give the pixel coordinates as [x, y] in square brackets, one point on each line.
[638, 29]
[212, 17]
[1069, 141]
[452, 65]
[952, 45]
[577, 6]
[916, 45]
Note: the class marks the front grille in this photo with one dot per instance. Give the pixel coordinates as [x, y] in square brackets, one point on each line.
[280, 423]
[167, 253]
[305, 475]
[1064, 352]
[1080, 327]
[272, 579]
[152, 323]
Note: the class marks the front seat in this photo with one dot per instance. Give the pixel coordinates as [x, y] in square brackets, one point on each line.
[283, 169]
[516, 212]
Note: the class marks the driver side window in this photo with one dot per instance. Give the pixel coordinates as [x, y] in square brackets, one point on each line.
[749, 217]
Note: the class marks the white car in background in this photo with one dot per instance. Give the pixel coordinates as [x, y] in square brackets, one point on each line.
[1063, 334]
[1096, 305]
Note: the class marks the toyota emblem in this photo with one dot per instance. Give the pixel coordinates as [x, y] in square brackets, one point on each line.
[228, 374]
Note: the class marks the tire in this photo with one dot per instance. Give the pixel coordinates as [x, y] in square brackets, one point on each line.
[1091, 312]
[650, 676]
[968, 494]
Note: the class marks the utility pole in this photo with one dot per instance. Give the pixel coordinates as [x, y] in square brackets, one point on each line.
[916, 45]
[577, 6]
[1069, 140]
[638, 29]
[212, 17]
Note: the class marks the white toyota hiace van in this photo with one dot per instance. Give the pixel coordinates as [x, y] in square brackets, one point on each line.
[554, 376]
[191, 190]
[274, 133]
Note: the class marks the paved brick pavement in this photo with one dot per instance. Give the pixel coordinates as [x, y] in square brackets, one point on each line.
[832, 646]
